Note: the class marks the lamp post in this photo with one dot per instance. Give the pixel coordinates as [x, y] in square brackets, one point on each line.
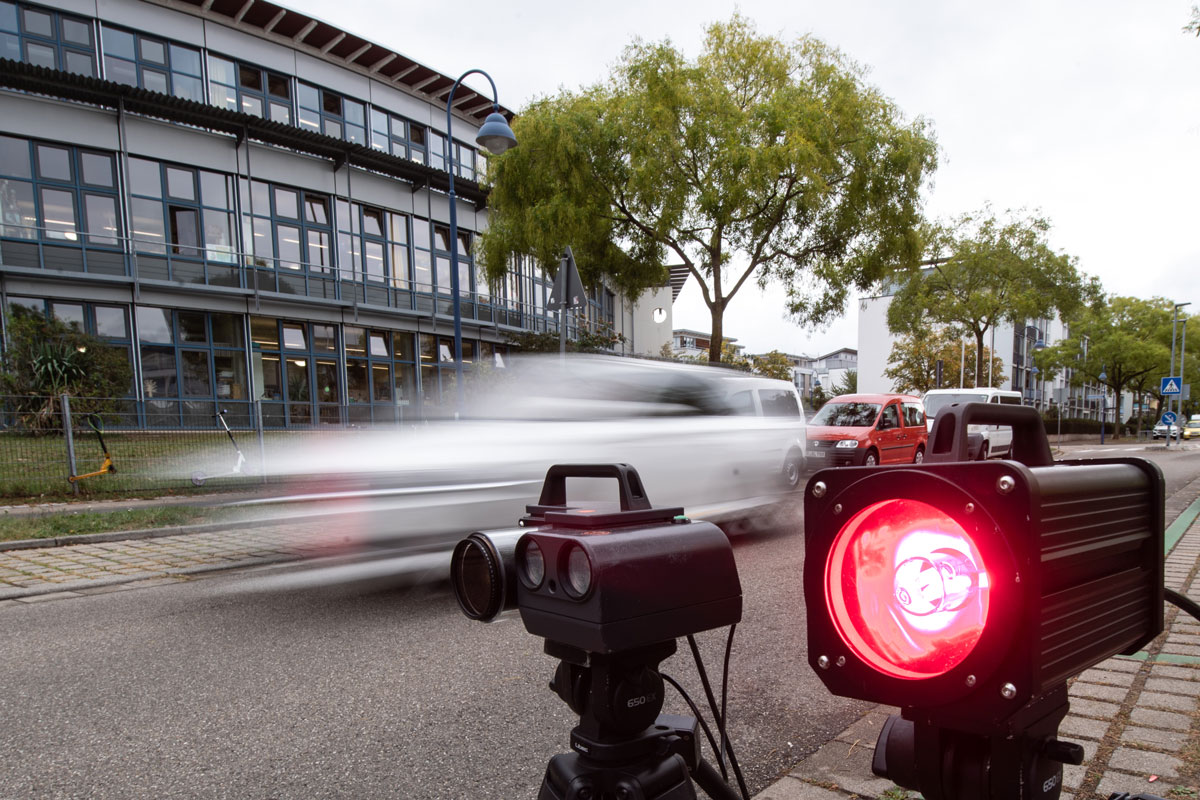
[1103, 376]
[1174, 321]
[496, 136]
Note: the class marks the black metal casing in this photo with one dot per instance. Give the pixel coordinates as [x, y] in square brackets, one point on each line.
[1075, 559]
[650, 583]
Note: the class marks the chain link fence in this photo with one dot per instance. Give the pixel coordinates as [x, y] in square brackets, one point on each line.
[69, 446]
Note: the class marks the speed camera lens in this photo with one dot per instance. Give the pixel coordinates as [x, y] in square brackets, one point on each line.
[579, 572]
[533, 564]
[474, 579]
[481, 569]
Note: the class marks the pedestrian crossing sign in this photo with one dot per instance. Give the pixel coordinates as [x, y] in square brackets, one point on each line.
[1171, 385]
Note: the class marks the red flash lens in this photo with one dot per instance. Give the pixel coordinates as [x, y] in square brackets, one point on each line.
[907, 588]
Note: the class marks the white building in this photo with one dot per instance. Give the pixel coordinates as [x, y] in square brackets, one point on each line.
[1013, 344]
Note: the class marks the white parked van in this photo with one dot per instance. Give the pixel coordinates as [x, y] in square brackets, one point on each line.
[997, 439]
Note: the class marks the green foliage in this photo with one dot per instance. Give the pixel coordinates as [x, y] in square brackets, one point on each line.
[760, 159]
[1193, 25]
[984, 271]
[46, 357]
[602, 340]
[772, 365]
[1125, 338]
[818, 398]
[912, 365]
[848, 384]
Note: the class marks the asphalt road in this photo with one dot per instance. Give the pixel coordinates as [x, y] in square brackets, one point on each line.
[243, 685]
[233, 687]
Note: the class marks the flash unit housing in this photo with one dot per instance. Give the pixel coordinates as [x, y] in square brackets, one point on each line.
[1071, 574]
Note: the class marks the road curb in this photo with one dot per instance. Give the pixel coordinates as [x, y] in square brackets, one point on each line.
[112, 536]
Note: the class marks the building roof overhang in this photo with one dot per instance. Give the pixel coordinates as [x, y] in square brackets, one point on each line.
[109, 94]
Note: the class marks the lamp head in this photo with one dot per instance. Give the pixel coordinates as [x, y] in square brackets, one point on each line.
[495, 134]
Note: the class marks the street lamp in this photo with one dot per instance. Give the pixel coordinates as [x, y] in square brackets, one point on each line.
[1103, 376]
[496, 136]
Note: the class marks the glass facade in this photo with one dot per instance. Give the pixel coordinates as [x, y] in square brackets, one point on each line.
[47, 38]
[199, 233]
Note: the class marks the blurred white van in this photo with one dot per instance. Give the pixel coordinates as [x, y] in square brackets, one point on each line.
[997, 439]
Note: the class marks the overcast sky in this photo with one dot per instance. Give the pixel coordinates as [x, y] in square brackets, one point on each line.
[1087, 112]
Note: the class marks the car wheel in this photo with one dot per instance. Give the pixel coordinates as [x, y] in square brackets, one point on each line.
[793, 470]
[872, 459]
[919, 457]
[983, 451]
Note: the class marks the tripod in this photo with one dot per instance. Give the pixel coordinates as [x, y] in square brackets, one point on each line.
[624, 749]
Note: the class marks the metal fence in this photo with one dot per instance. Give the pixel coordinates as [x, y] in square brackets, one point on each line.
[62, 446]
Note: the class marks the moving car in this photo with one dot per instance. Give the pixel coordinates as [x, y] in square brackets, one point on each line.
[1191, 430]
[726, 446]
[868, 429]
[993, 441]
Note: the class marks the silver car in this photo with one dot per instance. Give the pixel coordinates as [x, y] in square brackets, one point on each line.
[695, 436]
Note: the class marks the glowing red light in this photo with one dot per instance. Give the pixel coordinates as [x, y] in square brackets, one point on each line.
[907, 588]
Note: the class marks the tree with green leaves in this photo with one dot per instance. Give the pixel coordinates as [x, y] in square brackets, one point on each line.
[848, 384]
[772, 365]
[983, 270]
[45, 357]
[1121, 339]
[759, 161]
[912, 365]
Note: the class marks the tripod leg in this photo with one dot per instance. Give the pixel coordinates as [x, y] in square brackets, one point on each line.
[712, 783]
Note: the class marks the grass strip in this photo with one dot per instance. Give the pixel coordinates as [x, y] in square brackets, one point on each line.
[67, 523]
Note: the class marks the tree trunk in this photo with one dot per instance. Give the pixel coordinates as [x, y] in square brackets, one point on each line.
[979, 358]
[718, 336]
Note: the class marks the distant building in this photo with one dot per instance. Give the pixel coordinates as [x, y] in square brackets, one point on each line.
[1014, 345]
[687, 343]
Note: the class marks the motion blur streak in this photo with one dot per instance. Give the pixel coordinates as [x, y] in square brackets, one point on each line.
[688, 430]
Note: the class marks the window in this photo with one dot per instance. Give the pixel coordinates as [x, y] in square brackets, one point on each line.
[286, 228]
[299, 378]
[464, 161]
[372, 245]
[193, 362]
[322, 111]
[441, 246]
[154, 64]
[389, 133]
[779, 403]
[249, 89]
[184, 211]
[57, 193]
[47, 38]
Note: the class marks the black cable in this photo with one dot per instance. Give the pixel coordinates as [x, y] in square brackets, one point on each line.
[712, 742]
[733, 762]
[717, 715]
[1183, 602]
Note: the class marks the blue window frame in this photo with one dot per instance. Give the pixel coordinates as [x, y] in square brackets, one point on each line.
[193, 364]
[108, 323]
[47, 38]
[239, 86]
[186, 214]
[152, 63]
[288, 231]
[389, 133]
[323, 111]
[296, 371]
[441, 257]
[373, 250]
[58, 193]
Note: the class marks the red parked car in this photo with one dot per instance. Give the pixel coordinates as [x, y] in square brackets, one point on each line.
[868, 429]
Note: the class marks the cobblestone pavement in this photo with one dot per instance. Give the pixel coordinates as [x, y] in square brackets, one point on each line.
[37, 574]
[1136, 717]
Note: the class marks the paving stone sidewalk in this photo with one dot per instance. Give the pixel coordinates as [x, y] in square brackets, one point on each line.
[1136, 717]
[47, 573]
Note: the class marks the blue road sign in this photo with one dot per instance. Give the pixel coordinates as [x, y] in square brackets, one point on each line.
[1168, 418]
[1171, 385]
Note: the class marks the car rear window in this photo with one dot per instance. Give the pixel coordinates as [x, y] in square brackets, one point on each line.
[847, 415]
[779, 403]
